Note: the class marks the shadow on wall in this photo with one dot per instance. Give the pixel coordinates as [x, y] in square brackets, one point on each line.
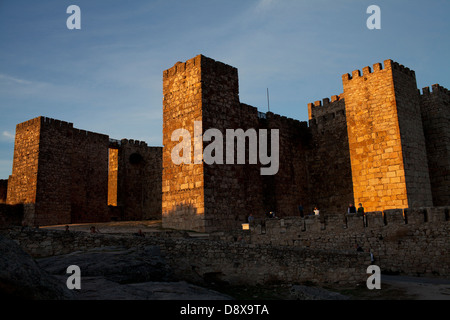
[185, 217]
[11, 215]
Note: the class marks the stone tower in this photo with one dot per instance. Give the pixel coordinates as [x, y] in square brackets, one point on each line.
[435, 107]
[386, 139]
[60, 173]
[206, 197]
[195, 91]
[63, 175]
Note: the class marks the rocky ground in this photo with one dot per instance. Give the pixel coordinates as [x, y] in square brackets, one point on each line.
[115, 273]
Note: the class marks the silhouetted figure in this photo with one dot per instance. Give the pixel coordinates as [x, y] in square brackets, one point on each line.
[360, 209]
[351, 209]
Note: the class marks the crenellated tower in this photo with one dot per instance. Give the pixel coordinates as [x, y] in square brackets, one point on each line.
[220, 196]
[329, 167]
[435, 110]
[59, 173]
[386, 140]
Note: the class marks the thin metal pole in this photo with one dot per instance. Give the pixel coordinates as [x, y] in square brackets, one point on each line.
[268, 104]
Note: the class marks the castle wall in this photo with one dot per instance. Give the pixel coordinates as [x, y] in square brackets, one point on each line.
[59, 173]
[88, 177]
[216, 196]
[379, 143]
[195, 260]
[410, 241]
[207, 196]
[329, 166]
[65, 175]
[382, 132]
[232, 191]
[183, 193]
[54, 173]
[113, 176]
[139, 180]
[290, 186]
[435, 109]
[407, 98]
[23, 180]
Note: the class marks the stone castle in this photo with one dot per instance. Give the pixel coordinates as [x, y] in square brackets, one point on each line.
[381, 142]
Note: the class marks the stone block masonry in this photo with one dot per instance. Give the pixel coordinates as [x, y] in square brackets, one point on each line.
[209, 197]
[435, 110]
[197, 260]
[410, 241]
[61, 171]
[139, 180]
[365, 145]
[380, 142]
[183, 193]
[386, 141]
[22, 183]
[329, 165]
[61, 175]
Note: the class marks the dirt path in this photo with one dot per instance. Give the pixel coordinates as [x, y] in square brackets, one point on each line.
[421, 288]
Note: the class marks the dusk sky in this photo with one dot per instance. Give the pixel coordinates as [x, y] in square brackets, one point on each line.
[107, 76]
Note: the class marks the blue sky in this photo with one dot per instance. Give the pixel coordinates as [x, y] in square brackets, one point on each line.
[107, 77]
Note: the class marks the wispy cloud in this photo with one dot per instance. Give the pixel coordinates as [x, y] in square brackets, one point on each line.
[9, 79]
[264, 5]
[7, 136]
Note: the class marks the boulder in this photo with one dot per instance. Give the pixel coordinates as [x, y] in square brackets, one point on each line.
[120, 273]
[118, 264]
[22, 278]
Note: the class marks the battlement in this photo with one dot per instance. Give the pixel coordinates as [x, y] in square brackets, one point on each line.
[30, 123]
[59, 124]
[406, 241]
[378, 67]
[327, 106]
[403, 69]
[56, 123]
[182, 66]
[293, 226]
[85, 133]
[200, 61]
[132, 142]
[435, 88]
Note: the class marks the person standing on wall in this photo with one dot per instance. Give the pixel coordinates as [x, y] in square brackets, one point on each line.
[362, 213]
[351, 209]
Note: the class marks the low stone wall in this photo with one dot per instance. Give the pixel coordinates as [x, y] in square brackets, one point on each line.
[239, 263]
[410, 241]
[198, 260]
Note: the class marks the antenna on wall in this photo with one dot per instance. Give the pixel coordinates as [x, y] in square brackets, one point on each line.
[268, 103]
